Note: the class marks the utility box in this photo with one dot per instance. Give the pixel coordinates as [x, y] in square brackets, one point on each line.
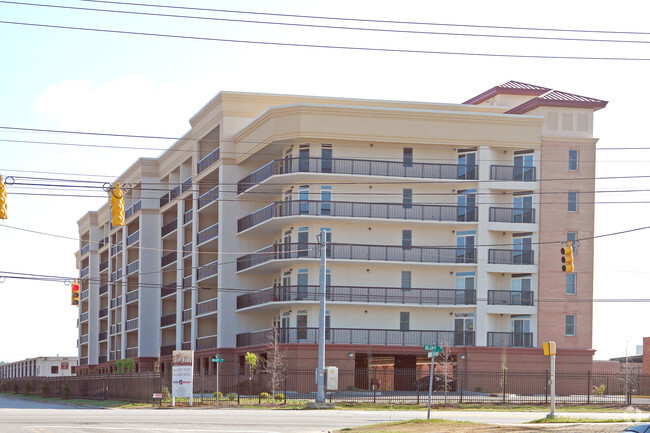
[331, 378]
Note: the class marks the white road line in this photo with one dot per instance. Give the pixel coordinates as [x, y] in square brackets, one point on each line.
[153, 429]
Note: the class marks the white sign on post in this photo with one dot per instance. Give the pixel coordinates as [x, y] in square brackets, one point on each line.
[182, 374]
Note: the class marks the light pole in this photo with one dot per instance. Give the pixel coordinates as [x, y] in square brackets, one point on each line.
[320, 375]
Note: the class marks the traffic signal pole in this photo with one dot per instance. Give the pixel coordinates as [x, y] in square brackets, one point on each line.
[320, 374]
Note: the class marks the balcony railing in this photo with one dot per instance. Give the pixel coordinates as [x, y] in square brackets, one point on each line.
[358, 167]
[510, 339]
[512, 215]
[512, 173]
[132, 267]
[132, 352]
[187, 217]
[358, 252]
[164, 199]
[208, 160]
[187, 282]
[132, 296]
[103, 265]
[103, 336]
[358, 336]
[83, 339]
[168, 289]
[103, 289]
[116, 248]
[510, 297]
[133, 209]
[187, 345]
[207, 234]
[167, 350]
[381, 295]
[417, 212]
[103, 243]
[116, 302]
[167, 320]
[101, 359]
[83, 360]
[116, 275]
[85, 271]
[175, 192]
[85, 294]
[186, 185]
[103, 312]
[187, 315]
[132, 324]
[207, 307]
[203, 343]
[169, 227]
[187, 249]
[114, 355]
[168, 259]
[208, 270]
[511, 257]
[133, 238]
[209, 197]
[85, 248]
[116, 328]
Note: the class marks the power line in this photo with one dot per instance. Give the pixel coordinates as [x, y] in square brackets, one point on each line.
[322, 46]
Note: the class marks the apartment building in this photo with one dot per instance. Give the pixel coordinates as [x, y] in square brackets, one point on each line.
[444, 224]
[42, 366]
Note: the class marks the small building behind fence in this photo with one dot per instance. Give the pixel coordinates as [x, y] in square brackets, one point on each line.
[42, 366]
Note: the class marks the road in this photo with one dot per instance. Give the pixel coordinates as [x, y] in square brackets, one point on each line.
[23, 416]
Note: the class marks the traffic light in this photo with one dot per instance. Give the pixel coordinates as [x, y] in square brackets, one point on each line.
[75, 293]
[117, 204]
[567, 257]
[3, 199]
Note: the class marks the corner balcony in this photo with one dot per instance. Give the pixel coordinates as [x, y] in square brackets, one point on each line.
[207, 271]
[510, 339]
[512, 215]
[357, 167]
[510, 297]
[342, 209]
[380, 337]
[208, 160]
[511, 257]
[278, 253]
[133, 209]
[85, 249]
[513, 173]
[208, 197]
[357, 295]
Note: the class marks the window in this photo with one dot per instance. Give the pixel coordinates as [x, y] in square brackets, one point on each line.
[573, 160]
[326, 158]
[466, 209]
[54, 369]
[573, 201]
[303, 157]
[407, 237]
[522, 211]
[466, 168]
[301, 324]
[523, 166]
[520, 328]
[303, 284]
[304, 199]
[404, 321]
[406, 280]
[573, 237]
[463, 329]
[522, 245]
[570, 284]
[465, 251]
[407, 198]
[465, 288]
[408, 157]
[520, 289]
[570, 325]
[303, 242]
[325, 200]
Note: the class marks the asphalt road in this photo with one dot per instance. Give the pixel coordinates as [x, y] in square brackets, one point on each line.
[22, 416]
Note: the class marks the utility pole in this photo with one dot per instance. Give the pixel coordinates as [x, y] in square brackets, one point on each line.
[550, 350]
[320, 375]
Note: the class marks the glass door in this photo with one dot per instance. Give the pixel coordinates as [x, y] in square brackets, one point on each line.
[522, 209]
[523, 167]
[466, 166]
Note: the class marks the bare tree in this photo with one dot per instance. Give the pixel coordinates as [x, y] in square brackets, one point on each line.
[276, 362]
[446, 366]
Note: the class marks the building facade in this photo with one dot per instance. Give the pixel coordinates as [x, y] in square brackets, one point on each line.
[444, 224]
[42, 366]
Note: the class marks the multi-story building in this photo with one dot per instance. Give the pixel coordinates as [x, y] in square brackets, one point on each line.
[444, 225]
[42, 366]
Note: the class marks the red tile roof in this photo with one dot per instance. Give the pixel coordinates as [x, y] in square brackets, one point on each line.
[511, 87]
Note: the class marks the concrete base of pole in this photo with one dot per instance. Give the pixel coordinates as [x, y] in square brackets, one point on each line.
[314, 405]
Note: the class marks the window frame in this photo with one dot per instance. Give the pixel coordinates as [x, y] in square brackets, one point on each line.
[573, 162]
[573, 201]
[573, 284]
[404, 321]
[567, 325]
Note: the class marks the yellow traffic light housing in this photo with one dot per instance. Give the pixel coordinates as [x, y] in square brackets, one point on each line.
[117, 204]
[75, 293]
[567, 257]
[3, 199]
[549, 348]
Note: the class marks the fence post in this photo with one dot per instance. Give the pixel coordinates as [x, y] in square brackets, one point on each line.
[504, 385]
[588, 386]
[285, 389]
[238, 387]
[460, 382]
[202, 377]
[374, 385]
[546, 388]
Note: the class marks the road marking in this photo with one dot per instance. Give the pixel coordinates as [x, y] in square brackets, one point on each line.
[156, 429]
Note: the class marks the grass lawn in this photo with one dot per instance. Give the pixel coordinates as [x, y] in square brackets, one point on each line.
[81, 401]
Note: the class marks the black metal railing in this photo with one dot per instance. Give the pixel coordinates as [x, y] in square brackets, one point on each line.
[103, 265]
[510, 297]
[186, 185]
[512, 215]
[133, 209]
[510, 339]
[168, 289]
[187, 217]
[169, 227]
[207, 270]
[132, 296]
[168, 319]
[381, 295]
[133, 238]
[103, 312]
[164, 199]
[511, 257]
[512, 173]
[103, 289]
[357, 336]
[132, 324]
[358, 167]
[419, 212]
[203, 343]
[358, 252]
[103, 336]
[207, 234]
[208, 197]
[168, 259]
[207, 307]
[85, 248]
[208, 160]
[132, 267]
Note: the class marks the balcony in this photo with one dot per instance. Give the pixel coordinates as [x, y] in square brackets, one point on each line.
[417, 212]
[132, 324]
[133, 238]
[103, 336]
[114, 355]
[168, 289]
[205, 343]
[168, 259]
[362, 167]
[187, 217]
[208, 197]
[83, 339]
[383, 337]
[207, 161]
[207, 234]
[133, 209]
[85, 271]
[338, 251]
[167, 320]
[85, 294]
[511, 257]
[116, 248]
[187, 345]
[116, 275]
[167, 350]
[116, 302]
[132, 296]
[103, 243]
[103, 289]
[164, 199]
[103, 312]
[187, 315]
[132, 352]
[103, 266]
[379, 295]
[187, 282]
[85, 248]
[84, 316]
[101, 359]
[132, 267]
[510, 339]
[206, 271]
[83, 360]
[512, 215]
[207, 307]
[187, 249]
[186, 185]
[175, 192]
[510, 297]
[511, 173]
[169, 227]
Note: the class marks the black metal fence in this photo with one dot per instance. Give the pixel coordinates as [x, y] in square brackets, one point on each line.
[378, 384]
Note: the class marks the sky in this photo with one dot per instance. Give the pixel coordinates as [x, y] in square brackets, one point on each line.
[112, 82]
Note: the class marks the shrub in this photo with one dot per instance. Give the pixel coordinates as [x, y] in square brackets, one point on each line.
[16, 387]
[478, 389]
[124, 366]
[278, 397]
[265, 396]
[4, 387]
[65, 390]
[45, 389]
[165, 393]
[217, 395]
[232, 396]
[28, 388]
[599, 390]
